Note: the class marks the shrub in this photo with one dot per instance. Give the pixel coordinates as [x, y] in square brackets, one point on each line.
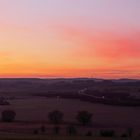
[8, 115]
[107, 133]
[43, 129]
[55, 117]
[124, 135]
[89, 134]
[36, 132]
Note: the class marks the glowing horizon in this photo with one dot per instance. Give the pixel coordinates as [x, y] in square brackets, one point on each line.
[70, 38]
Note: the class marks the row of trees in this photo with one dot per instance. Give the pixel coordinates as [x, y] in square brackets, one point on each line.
[83, 117]
[55, 117]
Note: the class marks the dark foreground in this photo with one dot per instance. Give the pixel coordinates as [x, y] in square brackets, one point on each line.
[20, 137]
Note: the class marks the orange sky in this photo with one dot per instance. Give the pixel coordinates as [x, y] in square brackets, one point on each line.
[44, 47]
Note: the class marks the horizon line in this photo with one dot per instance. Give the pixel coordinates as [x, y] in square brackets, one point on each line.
[99, 78]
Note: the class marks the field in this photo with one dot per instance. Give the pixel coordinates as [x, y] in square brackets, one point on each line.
[30, 109]
[34, 110]
[62, 138]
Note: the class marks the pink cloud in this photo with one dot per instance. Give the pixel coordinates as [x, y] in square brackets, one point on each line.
[109, 45]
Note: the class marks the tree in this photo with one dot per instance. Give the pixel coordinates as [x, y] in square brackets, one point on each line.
[55, 117]
[130, 132]
[43, 129]
[8, 115]
[71, 130]
[56, 130]
[84, 117]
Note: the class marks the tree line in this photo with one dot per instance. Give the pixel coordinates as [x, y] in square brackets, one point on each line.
[56, 118]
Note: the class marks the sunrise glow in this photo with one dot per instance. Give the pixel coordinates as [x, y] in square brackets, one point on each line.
[70, 38]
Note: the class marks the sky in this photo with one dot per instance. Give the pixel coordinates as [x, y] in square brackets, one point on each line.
[70, 38]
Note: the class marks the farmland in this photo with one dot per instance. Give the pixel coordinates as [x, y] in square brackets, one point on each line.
[32, 112]
[34, 99]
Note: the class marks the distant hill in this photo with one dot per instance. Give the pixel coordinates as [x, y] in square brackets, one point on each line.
[29, 86]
